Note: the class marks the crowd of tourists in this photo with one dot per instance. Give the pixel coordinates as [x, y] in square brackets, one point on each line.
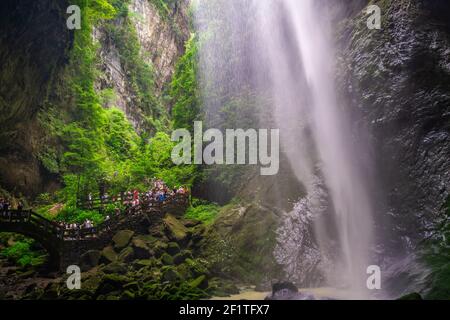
[87, 224]
[74, 230]
[6, 207]
[156, 195]
[132, 201]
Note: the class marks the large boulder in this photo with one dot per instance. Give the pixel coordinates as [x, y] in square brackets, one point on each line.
[89, 260]
[173, 248]
[411, 296]
[200, 282]
[179, 258]
[108, 255]
[166, 259]
[160, 248]
[91, 283]
[126, 255]
[241, 241]
[287, 291]
[111, 283]
[175, 230]
[141, 248]
[170, 274]
[115, 268]
[196, 267]
[122, 238]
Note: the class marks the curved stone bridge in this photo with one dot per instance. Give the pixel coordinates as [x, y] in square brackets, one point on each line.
[65, 246]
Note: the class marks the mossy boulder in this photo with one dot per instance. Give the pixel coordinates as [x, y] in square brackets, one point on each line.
[51, 292]
[91, 283]
[138, 264]
[170, 274]
[89, 259]
[115, 268]
[108, 255]
[222, 288]
[173, 248]
[197, 267]
[141, 248]
[179, 259]
[182, 256]
[411, 296]
[175, 230]
[197, 233]
[189, 223]
[160, 248]
[167, 259]
[112, 284]
[126, 255]
[241, 242]
[132, 286]
[127, 295]
[200, 282]
[122, 238]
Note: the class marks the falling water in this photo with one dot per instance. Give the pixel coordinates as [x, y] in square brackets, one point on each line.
[287, 49]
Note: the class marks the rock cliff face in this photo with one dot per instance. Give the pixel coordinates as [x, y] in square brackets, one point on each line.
[398, 80]
[161, 41]
[162, 38]
[33, 44]
[34, 49]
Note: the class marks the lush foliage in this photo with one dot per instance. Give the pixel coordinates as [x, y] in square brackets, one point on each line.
[184, 88]
[202, 211]
[438, 259]
[96, 146]
[24, 253]
[164, 7]
[140, 74]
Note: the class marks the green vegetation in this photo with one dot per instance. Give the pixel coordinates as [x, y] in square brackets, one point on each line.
[202, 211]
[22, 252]
[94, 145]
[164, 7]
[139, 73]
[184, 88]
[438, 258]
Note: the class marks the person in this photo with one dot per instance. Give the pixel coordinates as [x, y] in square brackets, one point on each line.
[161, 196]
[107, 219]
[6, 209]
[90, 200]
[77, 230]
[20, 206]
[135, 197]
[2, 212]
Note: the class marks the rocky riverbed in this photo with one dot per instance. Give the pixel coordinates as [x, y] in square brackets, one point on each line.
[164, 262]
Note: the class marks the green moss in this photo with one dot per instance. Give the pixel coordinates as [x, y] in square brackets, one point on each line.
[164, 7]
[205, 212]
[91, 143]
[140, 74]
[437, 257]
[166, 259]
[24, 253]
[184, 88]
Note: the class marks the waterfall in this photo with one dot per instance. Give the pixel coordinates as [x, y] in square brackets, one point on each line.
[283, 49]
